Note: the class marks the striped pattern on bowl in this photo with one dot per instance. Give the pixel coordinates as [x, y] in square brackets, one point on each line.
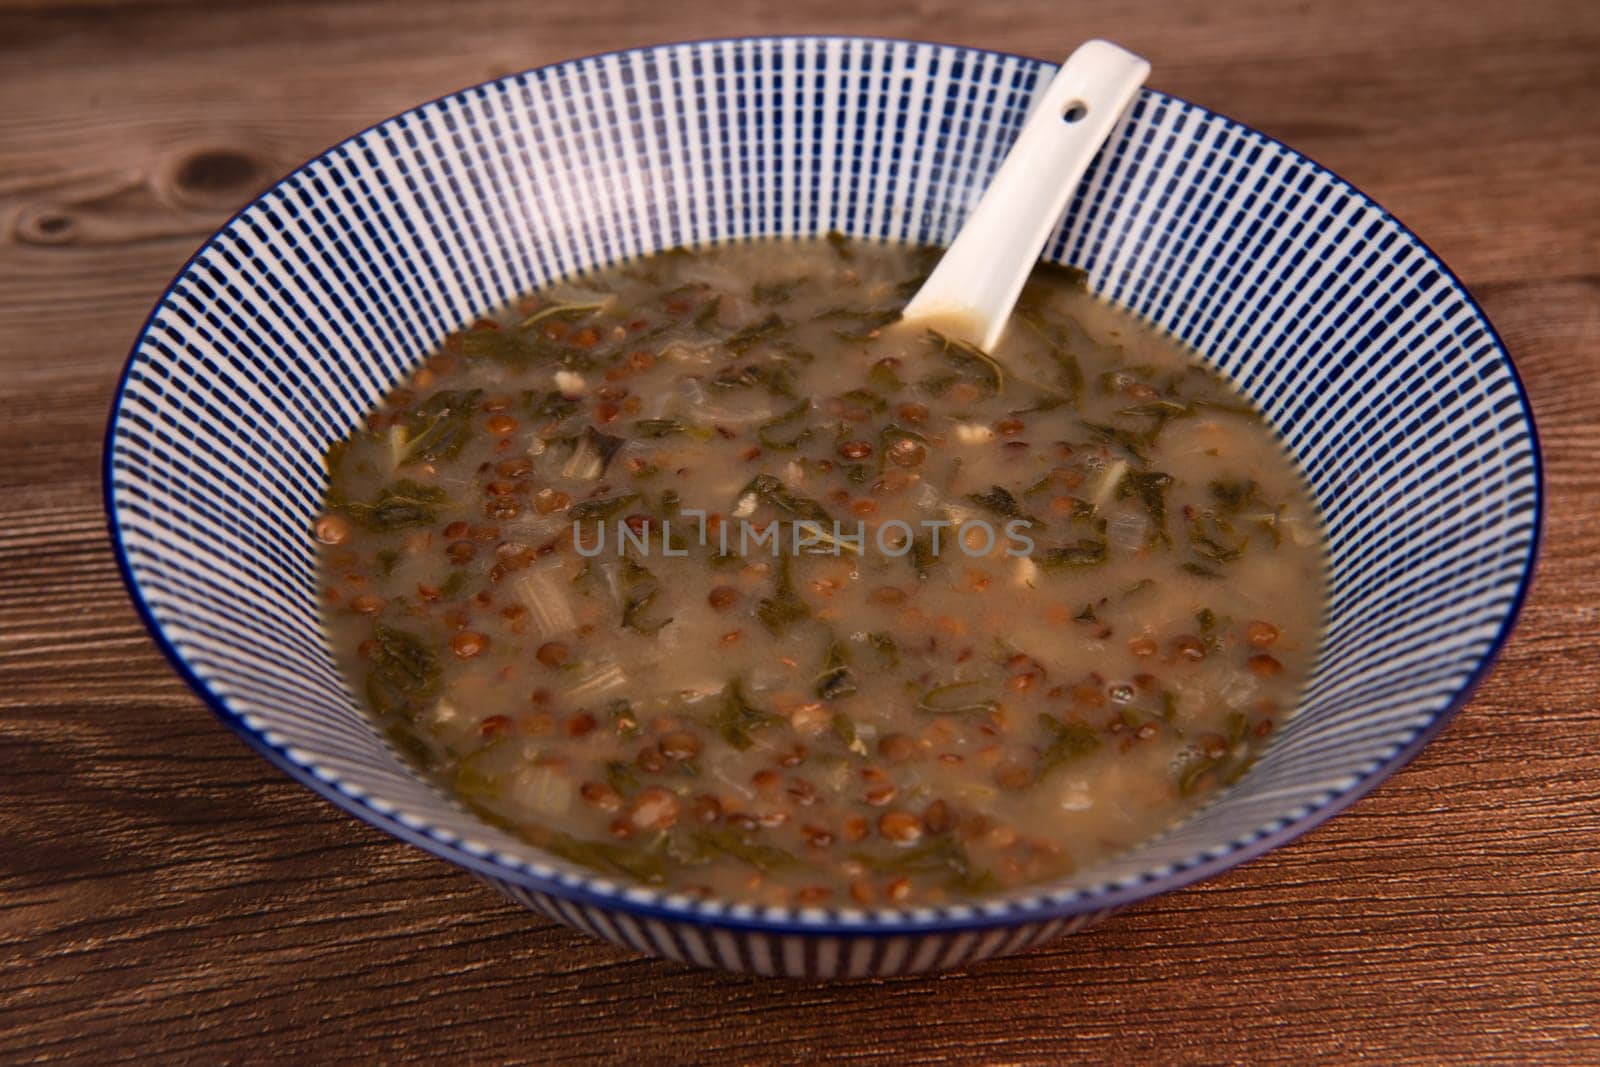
[1370, 358]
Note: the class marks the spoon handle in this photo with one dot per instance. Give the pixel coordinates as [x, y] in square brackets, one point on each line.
[977, 281]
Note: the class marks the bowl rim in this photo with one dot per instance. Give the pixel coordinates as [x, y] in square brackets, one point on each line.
[1009, 912]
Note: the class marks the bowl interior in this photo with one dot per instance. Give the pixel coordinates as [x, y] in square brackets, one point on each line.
[1380, 373]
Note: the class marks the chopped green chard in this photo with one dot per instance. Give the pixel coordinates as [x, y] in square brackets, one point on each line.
[404, 505]
[640, 591]
[836, 679]
[605, 508]
[439, 427]
[404, 673]
[591, 455]
[784, 607]
[1150, 489]
[1066, 742]
[787, 431]
[737, 717]
[958, 698]
[1083, 553]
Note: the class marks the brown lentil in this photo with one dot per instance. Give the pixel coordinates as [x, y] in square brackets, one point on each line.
[553, 653]
[332, 529]
[654, 808]
[901, 827]
[468, 643]
[1260, 634]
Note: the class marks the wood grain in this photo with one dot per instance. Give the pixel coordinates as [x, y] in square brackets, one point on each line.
[166, 896]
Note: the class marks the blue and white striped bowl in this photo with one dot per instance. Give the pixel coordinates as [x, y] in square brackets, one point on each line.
[1382, 375]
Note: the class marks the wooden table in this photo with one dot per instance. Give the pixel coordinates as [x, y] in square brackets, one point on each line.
[165, 896]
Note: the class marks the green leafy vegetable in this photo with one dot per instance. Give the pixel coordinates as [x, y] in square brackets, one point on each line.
[1134, 444]
[670, 428]
[1068, 372]
[736, 717]
[768, 329]
[865, 398]
[1206, 619]
[1210, 538]
[604, 508]
[591, 455]
[648, 865]
[1069, 741]
[438, 428]
[1058, 347]
[705, 316]
[1159, 408]
[622, 777]
[403, 676]
[777, 379]
[958, 698]
[861, 325]
[779, 434]
[1150, 487]
[784, 607]
[1227, 769]
[943, 859]
[502, 346]
[400, 506]
[922, 555]
[999, 501]
[771, 489]
[728, 841]
[836, 680]
[549, 403]
[640, 588]
[969, 356]
[882, 376]
[773, 293]
[893, 432]
[562, 310]
[1084, 553]
[1233, 497]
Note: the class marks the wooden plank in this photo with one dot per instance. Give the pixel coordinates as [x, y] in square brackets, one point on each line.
[164, 892]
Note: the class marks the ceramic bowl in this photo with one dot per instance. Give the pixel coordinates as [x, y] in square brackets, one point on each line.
[1373, 362]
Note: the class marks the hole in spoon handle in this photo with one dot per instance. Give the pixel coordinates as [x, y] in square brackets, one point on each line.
[975, 285]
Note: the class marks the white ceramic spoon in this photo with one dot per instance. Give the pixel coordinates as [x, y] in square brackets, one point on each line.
[971, 292]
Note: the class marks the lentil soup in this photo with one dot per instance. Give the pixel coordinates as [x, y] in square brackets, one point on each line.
[705, 573]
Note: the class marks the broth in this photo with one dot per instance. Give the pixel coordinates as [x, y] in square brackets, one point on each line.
[704, 572]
